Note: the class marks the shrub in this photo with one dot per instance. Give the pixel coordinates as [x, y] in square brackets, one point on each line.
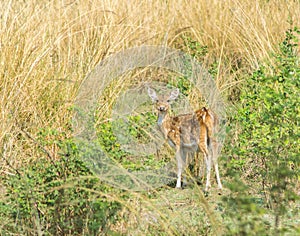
[56, 198]
[268, 139]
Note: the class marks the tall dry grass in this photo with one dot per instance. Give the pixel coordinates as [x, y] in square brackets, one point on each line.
[48, 47]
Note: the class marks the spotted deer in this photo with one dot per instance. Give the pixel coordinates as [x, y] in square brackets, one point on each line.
[187, 133]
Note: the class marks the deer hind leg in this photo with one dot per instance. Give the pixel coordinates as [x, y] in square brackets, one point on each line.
[215, 163]
[208, 169]
[217, 175]
[200, 167]
[207, 159]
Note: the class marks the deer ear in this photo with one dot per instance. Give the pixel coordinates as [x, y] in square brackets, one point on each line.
[174, 94]
[152, 94]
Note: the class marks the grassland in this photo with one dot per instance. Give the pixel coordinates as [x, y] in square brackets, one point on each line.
[49, 47]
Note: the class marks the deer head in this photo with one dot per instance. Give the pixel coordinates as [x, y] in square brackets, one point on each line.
[162, 102]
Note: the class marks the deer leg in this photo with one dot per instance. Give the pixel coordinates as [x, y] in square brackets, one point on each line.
[179, 168]
[218, 175]
[208, 169]
[215, 162]
[201, 167]
[184, 155]
[207, 159]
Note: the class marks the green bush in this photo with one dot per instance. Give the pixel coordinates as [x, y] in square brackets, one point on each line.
[268, 143]
[136, 130]
[56, 197]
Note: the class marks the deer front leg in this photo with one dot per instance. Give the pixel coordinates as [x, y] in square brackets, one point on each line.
[184, 156]
[179, 167]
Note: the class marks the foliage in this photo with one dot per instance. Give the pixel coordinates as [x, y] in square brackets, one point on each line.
[109, 142]
[136, 130]
[268, 142]
[58, 197]
[43, 62]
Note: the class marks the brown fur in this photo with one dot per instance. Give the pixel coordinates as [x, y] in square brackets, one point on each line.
[209, 123]
[187, 132]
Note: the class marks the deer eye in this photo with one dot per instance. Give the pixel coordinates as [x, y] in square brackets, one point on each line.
[168, 100]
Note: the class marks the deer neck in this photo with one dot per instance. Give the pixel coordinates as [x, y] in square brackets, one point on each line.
[162, 117]
[162, 121]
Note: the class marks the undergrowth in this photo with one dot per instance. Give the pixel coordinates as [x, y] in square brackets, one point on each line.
[49, 47]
